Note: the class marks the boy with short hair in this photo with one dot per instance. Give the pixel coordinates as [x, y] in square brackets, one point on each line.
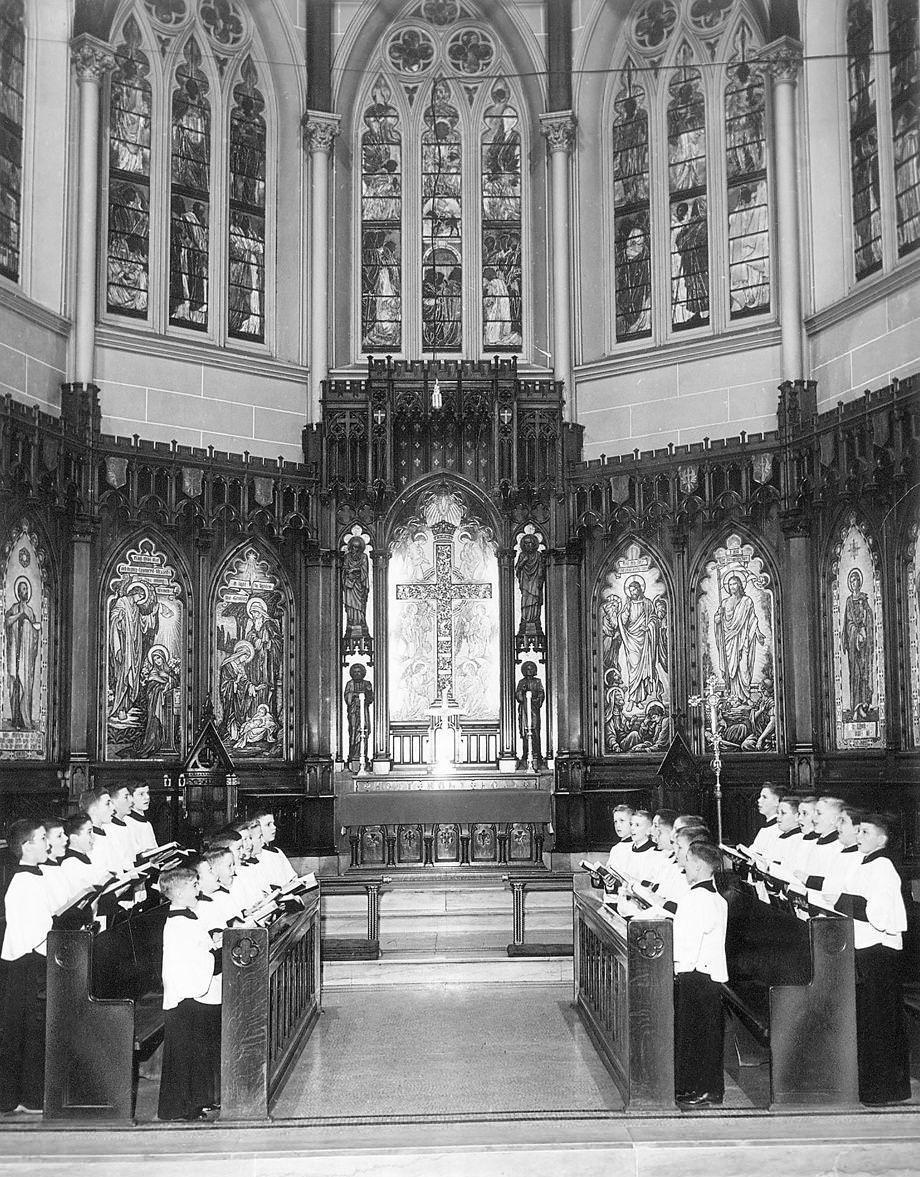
[700, 925]
[122, 838]
[786, 855]
[822, 856]
[98, 804]
[51, 867]
[24, 951]
[78, 869]
[141, 830]
[622, 816]
[191, 1003]
[275, 865]
[642, 863]
[223, 871]
[767, 806]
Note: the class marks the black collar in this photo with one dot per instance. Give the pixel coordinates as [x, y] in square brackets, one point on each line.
[882, 853]
[205, 899]
[706, 885]
[811, 837]
[649, 845]
[826, 839]
[790, 834]
[116, 821]
[52, 862]
[28, 870]
[181, 913]
[84, 858]
[226, 890]
[854, 849]
[771, 821]
[271, 849]
[136, 816]
[99, 831]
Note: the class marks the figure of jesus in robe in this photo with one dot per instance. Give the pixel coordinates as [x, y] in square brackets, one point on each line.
[858, 642]
[134, 615]
[737, 634]
[637, 625]
[23, 634]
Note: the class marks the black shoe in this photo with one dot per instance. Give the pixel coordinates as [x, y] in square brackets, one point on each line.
[701, 1099]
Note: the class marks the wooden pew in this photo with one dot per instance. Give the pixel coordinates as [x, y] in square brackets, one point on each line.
[792, 985]
[271, 1000]
[104, 1012]
[624, 992]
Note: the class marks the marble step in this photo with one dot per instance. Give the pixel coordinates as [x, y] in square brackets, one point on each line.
[448, 900]
[481, 966]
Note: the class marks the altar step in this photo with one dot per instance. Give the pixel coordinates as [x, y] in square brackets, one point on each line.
[449, 933]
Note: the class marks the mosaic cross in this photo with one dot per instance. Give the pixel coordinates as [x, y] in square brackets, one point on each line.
[444, 590]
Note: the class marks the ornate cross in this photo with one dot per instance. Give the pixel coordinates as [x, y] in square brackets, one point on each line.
[711, 701]
[444, 589]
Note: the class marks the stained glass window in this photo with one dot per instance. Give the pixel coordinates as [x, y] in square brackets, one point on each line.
[631, 221]
[190, 194]
[127, 264]
[246, 301]
[12, 78]
[381, 232]
[864, 169]
[746, 174]
[501, 224]
[686, 116]
[442, 242]
[904, 65]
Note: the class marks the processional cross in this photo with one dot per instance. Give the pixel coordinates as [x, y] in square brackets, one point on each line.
[443, 589]
[711, 700]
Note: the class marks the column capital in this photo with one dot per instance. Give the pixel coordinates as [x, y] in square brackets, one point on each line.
[91, 58]
[320, 128]
[558, 127]
[782, 59]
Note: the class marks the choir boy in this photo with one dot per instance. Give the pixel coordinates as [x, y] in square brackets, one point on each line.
[22, 1003]
[672, 883]
[78, 869]
[837, 879]
[768, 807]
[275, 865]
[642, 863]
[699, 964]
[873, 898]
[822, 855]
[121, 836]
[788, 848]
[223, 871]
[622, 816]
[58, 889]
[662, 824]
[244, 894]
[141, 830]
[807, 819]
[191, 1003]
[98, 804]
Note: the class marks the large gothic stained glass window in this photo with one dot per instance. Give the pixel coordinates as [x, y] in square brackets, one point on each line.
[864, 163]
[127, 264]
[442, 224]
[247, 209]
[381, 223]
[190, 194]
[904, 67]
[686, 115]
[501, 223]
[632, 223]
[12, 82]
[746, 173]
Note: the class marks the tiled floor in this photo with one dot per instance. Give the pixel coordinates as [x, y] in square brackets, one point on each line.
[447, 1050]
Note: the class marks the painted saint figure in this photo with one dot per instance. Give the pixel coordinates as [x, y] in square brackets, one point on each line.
[237, 692]
[355, 590]
[263, 634]
[23, 636]
[530, 696]
[159, 678]
[134, 615]
[737, 629]
[359, 695]
[530, 570]
[858, 636]
[638, 629]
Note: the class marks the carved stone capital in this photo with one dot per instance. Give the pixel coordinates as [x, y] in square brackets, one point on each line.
[782, 59]
[91, 58]
[319, 130]
[558, 127]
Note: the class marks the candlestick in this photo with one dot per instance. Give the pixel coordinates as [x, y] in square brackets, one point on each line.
[711, 700]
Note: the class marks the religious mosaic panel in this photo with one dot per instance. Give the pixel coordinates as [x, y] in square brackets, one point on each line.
[190, 174]
[864, 168]
[24, 652]
[858, 642]
[502, 275]
[631, 223]
[246, 298]
[636, 636]
[688, 202]
[127, 265]
[736, 614]
[442, 224]
[912, 625]
[145, 657]
[250, 684]
[381, 223]
[443, 613]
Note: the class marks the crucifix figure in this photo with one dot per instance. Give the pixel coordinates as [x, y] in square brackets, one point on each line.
[444, 587]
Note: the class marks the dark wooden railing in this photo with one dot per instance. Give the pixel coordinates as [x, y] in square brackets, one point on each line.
[538, 880]
[624, 991]
[271, 995]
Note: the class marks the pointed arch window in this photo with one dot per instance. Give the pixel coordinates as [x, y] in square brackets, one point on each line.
[632, 215]
[128, 260]
[441, 189]
[689, 168]
[12, 111]
[884, 131]
[188, 185]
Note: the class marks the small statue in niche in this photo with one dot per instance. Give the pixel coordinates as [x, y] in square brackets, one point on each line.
[530, 696]
[359, 695]
[530, 570]
[355, 589]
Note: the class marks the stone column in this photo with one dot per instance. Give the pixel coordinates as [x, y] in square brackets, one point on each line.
[507, 722]
[783, 60]
[91, 58]
[320, 129]
[559, 129]
[382, 758]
